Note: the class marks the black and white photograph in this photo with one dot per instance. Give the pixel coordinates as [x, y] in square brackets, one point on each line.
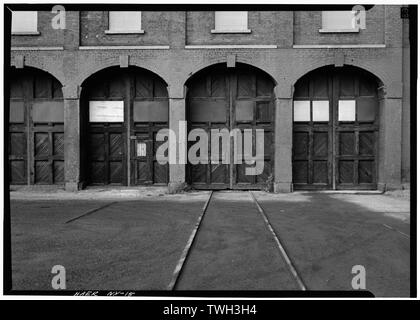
[209, 150]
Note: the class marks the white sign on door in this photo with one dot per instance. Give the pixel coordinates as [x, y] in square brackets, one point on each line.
[141, 149]
[106, 111]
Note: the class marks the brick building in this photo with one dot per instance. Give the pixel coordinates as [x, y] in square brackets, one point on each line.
[332, 96]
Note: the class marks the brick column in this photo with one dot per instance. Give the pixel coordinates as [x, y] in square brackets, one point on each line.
[389, 164]
[71, 138]
[177, 113]
[283, 139]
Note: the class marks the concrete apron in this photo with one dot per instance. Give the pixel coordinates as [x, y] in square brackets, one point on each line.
[91, 193]
[234, 250]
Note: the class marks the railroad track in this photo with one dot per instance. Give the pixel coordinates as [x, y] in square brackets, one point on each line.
[196, 230]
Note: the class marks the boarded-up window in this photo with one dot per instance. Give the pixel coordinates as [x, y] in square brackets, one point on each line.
[346, 110]
[151, 111]
[301, 111]
[244, 110]
[17, 112]
[338, 20]
[204, 111]
[320, 110]
[263, 112]
[106, 111]
[125, 21]
[48, 111]
[231, 20]
[366, 109]
[24, 21]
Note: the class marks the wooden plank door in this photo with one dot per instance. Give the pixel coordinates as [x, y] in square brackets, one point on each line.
[107, 147]
[124, 152]
[149, 114]
[312, 133]
[209, 108]
[106, 154]
[356, 129]
[252, 109]
[36, 139]
[335, 149]
[237, 98]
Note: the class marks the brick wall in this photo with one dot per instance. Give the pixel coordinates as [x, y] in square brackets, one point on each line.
[267, 27]
[307, 25]
[156, 26]
[47, 37]
[176, 29]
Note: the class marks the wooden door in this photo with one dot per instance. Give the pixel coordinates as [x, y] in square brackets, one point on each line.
[114, 147]
[36, 130]
[237, 98]
[335, 130]
[253, 109]
[312, 133]
[107, 140]
[150, 113]
[208, 108]
[356, 131]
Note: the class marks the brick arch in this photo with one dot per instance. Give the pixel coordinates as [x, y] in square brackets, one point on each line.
[381, 76]
[201, 66]
[36, 67]
[84, 75]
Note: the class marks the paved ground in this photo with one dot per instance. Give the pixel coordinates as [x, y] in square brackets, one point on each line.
[326, 235]
[136, 241]
[127, 245]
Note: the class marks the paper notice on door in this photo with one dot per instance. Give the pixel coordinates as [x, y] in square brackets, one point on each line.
[141, 149]
[106, 111]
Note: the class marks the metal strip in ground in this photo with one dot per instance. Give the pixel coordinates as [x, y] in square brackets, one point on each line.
[393, 229]
[283, 252]
[91, 211]
[185, 252]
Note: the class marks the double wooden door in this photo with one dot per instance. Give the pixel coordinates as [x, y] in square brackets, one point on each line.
[121, 149]
[36, 128]
[335, 130]
[231, 99]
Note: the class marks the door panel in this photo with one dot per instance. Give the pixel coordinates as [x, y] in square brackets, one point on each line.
[237, 98]
[106, 154]
[339, 153]
[17, 156]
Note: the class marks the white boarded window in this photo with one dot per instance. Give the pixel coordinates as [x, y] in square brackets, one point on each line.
[338, 21]
[106, 111]
[301, 111]
[320, 110]
[231, 21]
[24, 21]
[125, 22]
[346, 110]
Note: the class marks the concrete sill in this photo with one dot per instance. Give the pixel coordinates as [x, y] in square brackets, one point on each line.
[356, 30]
[124, 31]
[26, 33]
[231, 31]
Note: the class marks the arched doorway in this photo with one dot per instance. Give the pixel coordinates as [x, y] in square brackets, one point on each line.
[36, 128]
[122, 110]
[231, 98]
[335, 129]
